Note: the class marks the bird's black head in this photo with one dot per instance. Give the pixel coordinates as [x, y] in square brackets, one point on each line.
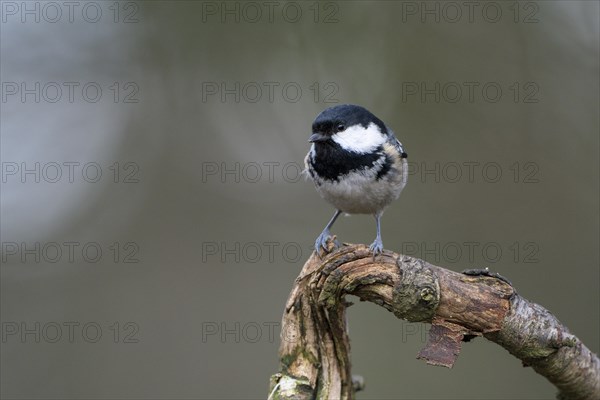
[351, 127]
[339, 118]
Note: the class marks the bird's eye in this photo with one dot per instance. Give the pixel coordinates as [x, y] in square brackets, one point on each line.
[341, 128]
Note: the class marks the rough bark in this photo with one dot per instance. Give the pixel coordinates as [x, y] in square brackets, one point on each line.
[315, 348]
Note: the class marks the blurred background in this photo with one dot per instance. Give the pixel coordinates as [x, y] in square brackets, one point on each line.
[153, 216]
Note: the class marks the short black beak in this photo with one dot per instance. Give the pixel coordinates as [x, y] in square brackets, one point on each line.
[318, 137]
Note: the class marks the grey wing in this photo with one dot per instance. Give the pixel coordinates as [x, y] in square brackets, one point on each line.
[398, 146]
[396, 143]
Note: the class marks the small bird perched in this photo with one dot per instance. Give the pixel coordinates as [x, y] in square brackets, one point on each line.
[357, 165]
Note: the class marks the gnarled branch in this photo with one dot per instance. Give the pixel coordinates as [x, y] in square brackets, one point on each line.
[315, 348]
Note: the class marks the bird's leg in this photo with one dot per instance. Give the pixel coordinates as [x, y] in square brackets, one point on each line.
[377, 246]
[321, 242]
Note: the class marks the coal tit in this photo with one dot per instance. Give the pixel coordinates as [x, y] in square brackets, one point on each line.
[356, 164]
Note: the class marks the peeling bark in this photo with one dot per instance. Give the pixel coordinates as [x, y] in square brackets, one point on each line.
[315, 347]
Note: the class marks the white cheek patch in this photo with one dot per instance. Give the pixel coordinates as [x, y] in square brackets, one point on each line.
[359, 139]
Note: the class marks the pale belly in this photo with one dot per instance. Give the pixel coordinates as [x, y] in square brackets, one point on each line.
[360, 195]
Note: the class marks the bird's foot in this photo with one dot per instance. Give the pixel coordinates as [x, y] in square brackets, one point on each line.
[322, 243]
[376, 247]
